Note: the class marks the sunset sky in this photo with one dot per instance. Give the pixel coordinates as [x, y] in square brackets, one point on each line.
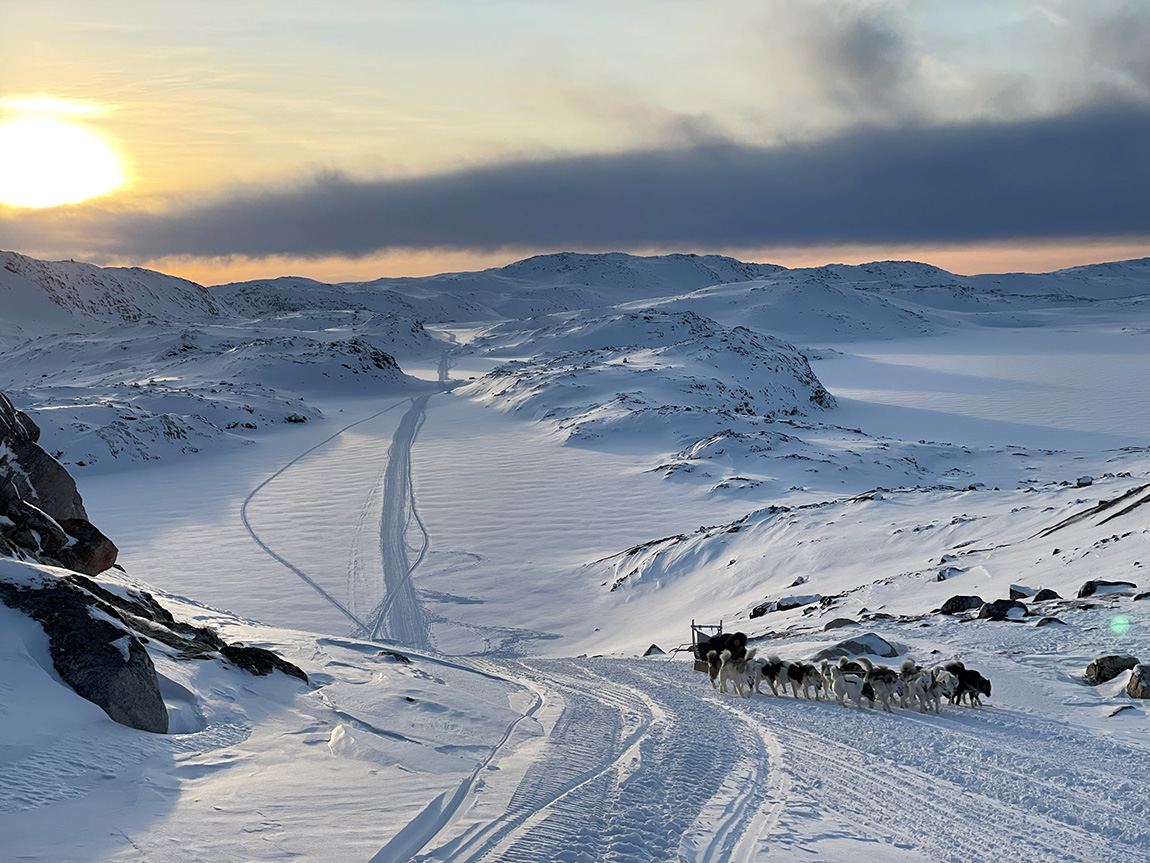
[351, 140]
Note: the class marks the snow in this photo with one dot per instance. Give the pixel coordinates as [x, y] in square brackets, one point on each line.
[521, 514]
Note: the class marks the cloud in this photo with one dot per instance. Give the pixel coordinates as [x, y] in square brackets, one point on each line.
[862, 57]
[1119, 42]
[1077, 175]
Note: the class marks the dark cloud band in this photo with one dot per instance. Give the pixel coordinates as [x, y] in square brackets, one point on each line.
[1083, 175]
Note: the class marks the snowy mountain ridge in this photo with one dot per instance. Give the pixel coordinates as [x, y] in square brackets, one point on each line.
[117, 293]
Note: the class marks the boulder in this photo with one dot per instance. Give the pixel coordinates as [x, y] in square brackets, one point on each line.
[1045, 594]
[259, 661]
[867, 643]
[1142, 595]
[1019, 591]
[839, 623]
[100, 659]
[1106, 668]
[90, 552]
[1138, 686]
[655, 650]
[959, 604]
[1046, 621]
[1098, 587]
[1002, 609]
[784, 603]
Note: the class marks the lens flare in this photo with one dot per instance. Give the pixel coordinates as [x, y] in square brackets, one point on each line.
[46, 161]
[1119, 625]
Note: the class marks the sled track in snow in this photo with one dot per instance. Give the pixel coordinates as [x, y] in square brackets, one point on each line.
[647, 763]
[630, 772]
[400, 616]
[969, 785]
[303, 576]
[396, 612]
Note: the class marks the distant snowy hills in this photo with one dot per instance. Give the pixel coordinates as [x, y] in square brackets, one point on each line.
[135, 364]
[116, 293]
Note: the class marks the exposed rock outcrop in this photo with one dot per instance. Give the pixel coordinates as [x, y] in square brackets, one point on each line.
[1099, 586]
[838, 623]
[1139, 684]
[257, 660]
[784, 603]
[1106, 668]
[43, 513]
[867, 643]
[93, 652]
[959, 604]
[96, 640]
[1002, 609]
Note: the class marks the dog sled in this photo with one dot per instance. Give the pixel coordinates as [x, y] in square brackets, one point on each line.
[701, 635]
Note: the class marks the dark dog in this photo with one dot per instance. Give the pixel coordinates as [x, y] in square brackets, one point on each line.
[971, 684]
[801, 674]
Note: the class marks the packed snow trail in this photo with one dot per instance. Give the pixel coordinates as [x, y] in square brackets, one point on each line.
[646, 762]
[630, 772]
[400, 616]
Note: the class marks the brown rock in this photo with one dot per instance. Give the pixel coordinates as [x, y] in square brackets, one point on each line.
[1139, 684]
[1108, 667]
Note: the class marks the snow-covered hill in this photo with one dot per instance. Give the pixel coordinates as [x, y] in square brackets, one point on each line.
[116, 293]
[645, 372]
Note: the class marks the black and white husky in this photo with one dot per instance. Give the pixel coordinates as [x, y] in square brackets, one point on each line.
[842, 685]
[884, 681]
[765, 668]
[802, 675]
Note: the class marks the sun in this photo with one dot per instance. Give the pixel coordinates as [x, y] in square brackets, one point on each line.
[48, 161]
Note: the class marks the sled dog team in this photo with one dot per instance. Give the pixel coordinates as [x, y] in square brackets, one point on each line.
[855, 681]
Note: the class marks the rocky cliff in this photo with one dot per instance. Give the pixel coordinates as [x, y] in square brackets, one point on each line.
[96, 635]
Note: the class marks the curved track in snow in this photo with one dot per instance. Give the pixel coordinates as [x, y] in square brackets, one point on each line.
[303, 576]
[646, 763]
[630, 771]
[396, 613]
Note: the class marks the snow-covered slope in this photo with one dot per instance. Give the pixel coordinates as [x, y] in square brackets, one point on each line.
[117, 293]
[809, 307]
[645, 372]
[125, 394]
